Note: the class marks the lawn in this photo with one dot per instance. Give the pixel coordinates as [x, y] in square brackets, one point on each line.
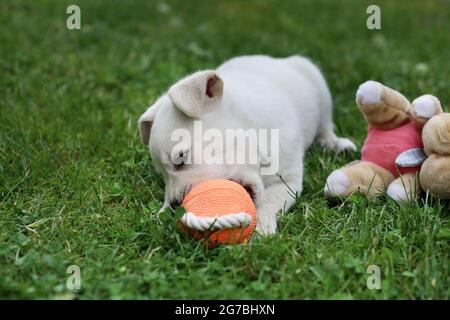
[77, 186]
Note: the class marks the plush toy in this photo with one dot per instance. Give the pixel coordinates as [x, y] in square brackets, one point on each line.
[220, 211]
[392, 153]
[435, 171]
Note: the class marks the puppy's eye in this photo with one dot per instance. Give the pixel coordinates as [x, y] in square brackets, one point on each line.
[179, 159]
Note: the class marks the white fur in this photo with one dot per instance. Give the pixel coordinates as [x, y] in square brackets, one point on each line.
[337, 183]
[257, 92]
[397, 192]
[369, 93]
[424, 107]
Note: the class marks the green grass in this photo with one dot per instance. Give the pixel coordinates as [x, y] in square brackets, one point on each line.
[77, 187]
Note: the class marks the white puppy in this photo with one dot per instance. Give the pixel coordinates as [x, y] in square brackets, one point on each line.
[249, 93]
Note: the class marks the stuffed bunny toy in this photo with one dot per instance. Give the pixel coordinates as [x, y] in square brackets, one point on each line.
[435, 171]
[392, 153]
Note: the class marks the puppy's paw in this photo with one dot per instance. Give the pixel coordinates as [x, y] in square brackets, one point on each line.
[266, 229]
[344, 144]
[163, 208]
[337, 184]
[426, 106]
[334, 143]
[369, 93]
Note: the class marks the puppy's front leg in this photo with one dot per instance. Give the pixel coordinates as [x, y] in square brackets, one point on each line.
[165, 206]
[277, 197]
[166, 203]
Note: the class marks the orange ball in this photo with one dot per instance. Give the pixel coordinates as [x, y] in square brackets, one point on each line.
[219, 210]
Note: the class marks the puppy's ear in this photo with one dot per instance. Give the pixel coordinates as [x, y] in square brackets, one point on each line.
[190, 94]
[146, 121]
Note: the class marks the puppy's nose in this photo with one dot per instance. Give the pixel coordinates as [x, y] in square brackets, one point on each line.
[174, 203]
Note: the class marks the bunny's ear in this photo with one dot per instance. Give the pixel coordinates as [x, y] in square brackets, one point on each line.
[190, 94]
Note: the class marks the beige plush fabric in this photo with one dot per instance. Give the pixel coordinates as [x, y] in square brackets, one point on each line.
[389, 111]
[384, 109]
[435, 172]
[367, 178]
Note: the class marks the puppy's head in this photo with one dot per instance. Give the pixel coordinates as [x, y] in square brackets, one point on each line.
[196, 98]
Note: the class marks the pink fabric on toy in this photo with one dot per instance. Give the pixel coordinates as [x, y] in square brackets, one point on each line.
[382, 147]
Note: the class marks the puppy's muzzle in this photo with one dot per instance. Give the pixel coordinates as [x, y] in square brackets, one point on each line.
[174, 203]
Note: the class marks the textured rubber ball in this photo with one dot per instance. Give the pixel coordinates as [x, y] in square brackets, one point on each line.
[220, 211]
